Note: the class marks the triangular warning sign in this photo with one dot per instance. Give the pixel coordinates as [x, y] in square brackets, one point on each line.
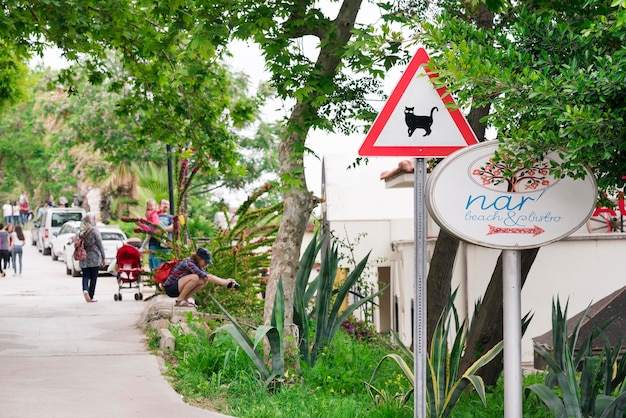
[415, 121]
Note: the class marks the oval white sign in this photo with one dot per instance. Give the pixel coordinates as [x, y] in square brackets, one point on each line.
[468, 195]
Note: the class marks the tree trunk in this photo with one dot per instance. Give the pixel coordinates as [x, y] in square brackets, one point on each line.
[298, 204]
[298, 201]
[487, 330]
[438, 280]
[474, 121]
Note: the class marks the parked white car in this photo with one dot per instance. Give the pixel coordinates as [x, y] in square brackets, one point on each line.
[112, 239]
[51, 222]
[66, 233]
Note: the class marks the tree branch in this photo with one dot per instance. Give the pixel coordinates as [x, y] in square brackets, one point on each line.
[201, 192]
[335, 40]
[317, 24]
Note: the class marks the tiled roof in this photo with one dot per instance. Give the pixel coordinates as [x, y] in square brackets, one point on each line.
[404, 167]
[613, 305]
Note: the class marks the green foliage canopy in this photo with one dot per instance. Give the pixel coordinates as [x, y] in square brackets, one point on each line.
[158, 68]
[554, 74]
[12, 75]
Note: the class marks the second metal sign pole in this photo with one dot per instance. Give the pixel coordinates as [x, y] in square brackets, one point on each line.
[419, 317]
[512, 332]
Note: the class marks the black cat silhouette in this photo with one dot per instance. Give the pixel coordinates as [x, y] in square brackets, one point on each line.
[414, 121]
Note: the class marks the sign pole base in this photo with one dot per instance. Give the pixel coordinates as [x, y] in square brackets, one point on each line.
[512, 332]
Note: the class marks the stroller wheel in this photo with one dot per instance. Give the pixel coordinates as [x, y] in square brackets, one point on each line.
[115, 297]
[137, 296]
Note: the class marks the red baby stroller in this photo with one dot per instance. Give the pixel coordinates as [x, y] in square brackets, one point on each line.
[129, 270]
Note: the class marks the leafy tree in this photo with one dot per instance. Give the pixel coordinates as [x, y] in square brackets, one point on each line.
[29, 154]
[173, 79]
[171, 90]
[551, 76]
[328, 92]
[552, 73]
[12, 75]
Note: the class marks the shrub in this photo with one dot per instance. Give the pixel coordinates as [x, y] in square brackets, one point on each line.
[327, 314]
[445, 384]
[360, 330]
[588, 393]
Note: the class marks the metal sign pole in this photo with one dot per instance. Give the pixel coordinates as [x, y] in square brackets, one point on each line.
[512, 333]
[419, 320]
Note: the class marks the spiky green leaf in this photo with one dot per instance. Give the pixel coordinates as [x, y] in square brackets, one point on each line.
[549, 398]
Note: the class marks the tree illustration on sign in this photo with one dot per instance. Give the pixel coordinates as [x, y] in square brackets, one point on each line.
[499, 174]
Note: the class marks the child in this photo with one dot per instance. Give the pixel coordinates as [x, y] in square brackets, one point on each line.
[152, 212]
[152, 216]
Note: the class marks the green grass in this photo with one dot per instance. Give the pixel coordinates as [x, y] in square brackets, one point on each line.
[221, 377]
[153, 338]
[470, 406]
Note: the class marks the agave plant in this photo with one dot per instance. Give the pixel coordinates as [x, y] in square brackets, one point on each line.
[588, 393]
[273, 332]
[327, 309]
[327, 313]
[445, 384]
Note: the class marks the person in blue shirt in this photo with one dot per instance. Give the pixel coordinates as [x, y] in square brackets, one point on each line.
[188, 277]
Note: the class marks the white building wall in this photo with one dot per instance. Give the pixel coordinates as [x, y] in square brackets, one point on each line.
[579, 269]
[358, 194]
[583, 267]
[363, 214]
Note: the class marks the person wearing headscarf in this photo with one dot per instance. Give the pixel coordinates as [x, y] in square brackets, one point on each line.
[90, 266]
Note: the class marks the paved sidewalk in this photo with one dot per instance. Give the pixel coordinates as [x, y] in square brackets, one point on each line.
[61, 357]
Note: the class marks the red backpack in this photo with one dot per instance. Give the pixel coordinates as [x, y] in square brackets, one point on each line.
[164, 270]
[80, 252]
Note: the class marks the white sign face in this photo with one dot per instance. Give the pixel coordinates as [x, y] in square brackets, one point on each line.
[468, 196]
[417, 119]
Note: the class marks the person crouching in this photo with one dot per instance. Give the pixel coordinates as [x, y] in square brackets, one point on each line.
[188, 277]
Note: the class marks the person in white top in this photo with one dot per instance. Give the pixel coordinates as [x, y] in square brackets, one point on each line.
[7, 212]
[16, 214]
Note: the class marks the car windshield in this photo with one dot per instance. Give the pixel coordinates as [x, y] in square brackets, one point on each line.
[59, 218]
[112, 236]
[67, 229]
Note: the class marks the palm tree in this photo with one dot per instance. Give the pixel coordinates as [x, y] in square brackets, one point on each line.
[129, 185]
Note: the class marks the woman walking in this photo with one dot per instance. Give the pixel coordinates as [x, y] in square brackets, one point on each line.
[5, 253]
[17, 243]
[90, 266]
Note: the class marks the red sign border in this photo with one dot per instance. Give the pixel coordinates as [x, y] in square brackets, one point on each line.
[368, 148]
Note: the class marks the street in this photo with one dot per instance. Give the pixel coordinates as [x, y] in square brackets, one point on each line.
[62, 357]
